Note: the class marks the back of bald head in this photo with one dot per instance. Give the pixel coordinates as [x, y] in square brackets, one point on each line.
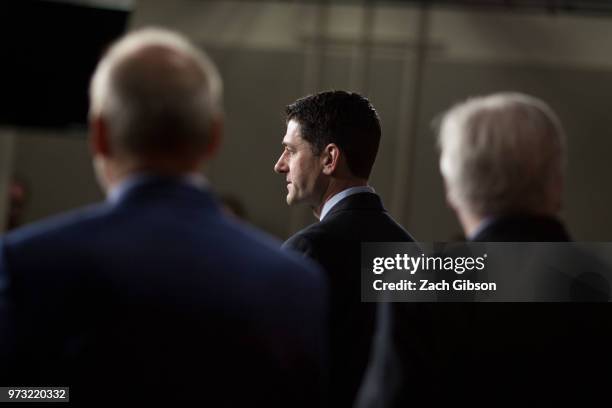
[158, 94]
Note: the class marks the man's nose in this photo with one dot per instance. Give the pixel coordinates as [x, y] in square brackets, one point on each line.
[280, 166]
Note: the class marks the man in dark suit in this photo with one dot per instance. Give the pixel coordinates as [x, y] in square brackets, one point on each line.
[502, 160]
[329, 149]
[155, 295]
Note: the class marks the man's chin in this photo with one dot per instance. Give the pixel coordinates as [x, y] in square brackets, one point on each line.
[293, 200]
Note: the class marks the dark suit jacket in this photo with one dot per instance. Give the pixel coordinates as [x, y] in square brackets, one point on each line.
[523, 228]
[522, 353]
[160, 298]
[335, 243]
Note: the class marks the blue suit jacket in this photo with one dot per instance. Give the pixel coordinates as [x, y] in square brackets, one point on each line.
[159, 297]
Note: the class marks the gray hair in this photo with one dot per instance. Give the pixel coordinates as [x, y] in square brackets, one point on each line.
[158, 93]
[502, 153]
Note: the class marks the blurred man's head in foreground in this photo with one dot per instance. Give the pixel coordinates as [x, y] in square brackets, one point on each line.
[155, 106]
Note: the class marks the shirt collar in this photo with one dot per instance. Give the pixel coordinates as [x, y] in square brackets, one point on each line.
[196, 180]
[336, 198]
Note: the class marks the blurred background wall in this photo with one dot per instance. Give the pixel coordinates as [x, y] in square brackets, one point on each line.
[413, 61]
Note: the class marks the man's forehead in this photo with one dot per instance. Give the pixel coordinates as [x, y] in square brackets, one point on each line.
[294, 134]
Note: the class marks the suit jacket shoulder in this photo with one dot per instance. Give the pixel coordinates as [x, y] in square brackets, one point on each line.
[149, 290]
[358, 218]
[523, 228]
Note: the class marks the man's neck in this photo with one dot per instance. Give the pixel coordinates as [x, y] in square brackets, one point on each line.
[336, 186]
[470, 222]
[115, 173]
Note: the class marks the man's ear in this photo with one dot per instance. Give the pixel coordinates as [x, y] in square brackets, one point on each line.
[330, 157]
[99, 142]
[214, 139]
